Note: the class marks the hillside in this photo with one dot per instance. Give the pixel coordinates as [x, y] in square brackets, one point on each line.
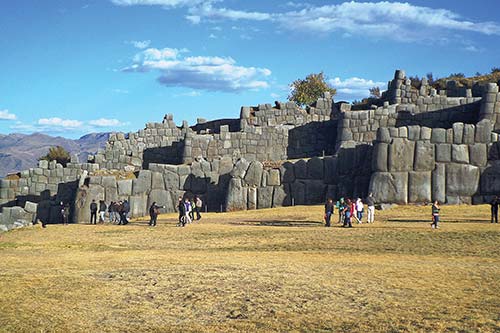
[20, 151]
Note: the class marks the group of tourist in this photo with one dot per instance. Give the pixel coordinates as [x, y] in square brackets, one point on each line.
[118, 212]
[349, 210]
[187, 207]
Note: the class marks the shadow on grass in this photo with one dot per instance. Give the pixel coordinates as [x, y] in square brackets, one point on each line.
[442, 220]
[278, 223]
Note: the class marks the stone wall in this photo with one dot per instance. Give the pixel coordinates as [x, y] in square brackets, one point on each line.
[419, 164]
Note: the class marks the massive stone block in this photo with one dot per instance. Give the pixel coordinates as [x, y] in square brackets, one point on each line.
[438, 135]
[490, 179]
[401, 153]
[124, 187]
[171, 180]
[458, 132]
[281, 195]
[139, 205]
[157, 182]
[253, 175]
[143, 182]
[478, 154]
[460, 153]
[274, 178]
[315, 168]
[300, 169]
[390, 187]
[252, 198]
[236, 198]
[315, 192]
[380, 156]
[424, 156]
[483, 131]
[287, 171]
[419, 186]
[330, 170]
[265, 197]
[443, 152]
[298, 193]
[162, 198]
[240, 168]
[461, 179]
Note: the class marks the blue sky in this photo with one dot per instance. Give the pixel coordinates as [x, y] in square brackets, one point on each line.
[71, 67]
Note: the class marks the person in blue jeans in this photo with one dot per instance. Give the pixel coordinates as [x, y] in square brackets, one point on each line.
[435, 215]
[329, 209]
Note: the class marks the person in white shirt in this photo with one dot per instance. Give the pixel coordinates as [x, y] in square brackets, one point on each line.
[359, 210]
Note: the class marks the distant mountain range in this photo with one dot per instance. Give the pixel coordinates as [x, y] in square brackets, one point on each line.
[21, 151]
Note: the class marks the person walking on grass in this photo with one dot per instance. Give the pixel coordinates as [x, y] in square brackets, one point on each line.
[359, 210]
[65, 213]
[181, 207]
[340, 206]
[198, 204]
[349, 209]
[435, 215]
[93, 212]
[154, 210]
[370, 202]
[494, 209]
[329, 210]
[102, 211]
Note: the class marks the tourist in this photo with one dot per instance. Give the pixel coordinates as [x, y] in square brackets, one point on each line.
[187, 204]
[93, 212]
[154, 210]
[181, 207]
[111, 212]
[198, 204]
[340, 206]
[329, 210]
[192, 208]
[126, 211]
[349, 209]
[435, 215]
[370, 202]
[65, 213]
[102, 211]
[494, 209]
[359, 210]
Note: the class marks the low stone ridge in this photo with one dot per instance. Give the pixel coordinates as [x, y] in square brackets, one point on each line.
[418, 145]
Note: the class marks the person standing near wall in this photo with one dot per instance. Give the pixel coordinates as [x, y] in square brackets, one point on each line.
[65, 213]
[370, 202]
[494, 209]
[349, 209]
[126, 211]
[154, 210]
[359, 210]
[329, 210]
[93, 212]
[198, 204]
[182, 212]
[341, 209]
[435, 215]
[102, 211]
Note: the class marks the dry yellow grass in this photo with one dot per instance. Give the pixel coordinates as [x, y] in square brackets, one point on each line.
[268, 270]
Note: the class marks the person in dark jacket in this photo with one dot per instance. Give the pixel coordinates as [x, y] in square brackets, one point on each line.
[349, 210]
[154, 210]
[329, 210]
[494, 209]
[435, 215]
[93, 212]
[102, 211]
[125, 213]
[182, 212]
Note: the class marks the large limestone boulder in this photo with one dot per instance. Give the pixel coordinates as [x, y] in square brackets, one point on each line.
[380, 155]
[240, 168]
[478, 154]
[252, 198]
[300, 169]
[139, 205]
[287, 171]
[236, 198]
[424, 156]
[490, 179]
[171, 180]
[401, 153]
[419, 186]
[124, 187]
[162, 198]
[265, 197]
[439, 183]
[390, 187]
[330, 176]
[461, 179]
[460, 153]
[298, 193]
[253, 176]
[315, 168]
[315, 192]
[281, 196]
[157, 181]
[143, 182]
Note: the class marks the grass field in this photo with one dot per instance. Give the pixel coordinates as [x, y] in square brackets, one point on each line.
[267, 270]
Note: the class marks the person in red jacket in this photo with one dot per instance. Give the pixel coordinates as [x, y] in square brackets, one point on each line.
[349, 209]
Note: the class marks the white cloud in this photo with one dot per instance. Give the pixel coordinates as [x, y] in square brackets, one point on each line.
[199, 72]
[164, 3]
[59, 122]
[207, 10]
[471, 48]
[396, 20]
[354, 87]
[140, 44]
[6, 115]
[120, 91]
[192, 93]
[212, 36]
[195, 19]
[400, 21]
[275, 95]
[104, 122]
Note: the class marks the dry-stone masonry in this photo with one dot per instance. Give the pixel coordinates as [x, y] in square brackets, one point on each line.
[419, 144]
